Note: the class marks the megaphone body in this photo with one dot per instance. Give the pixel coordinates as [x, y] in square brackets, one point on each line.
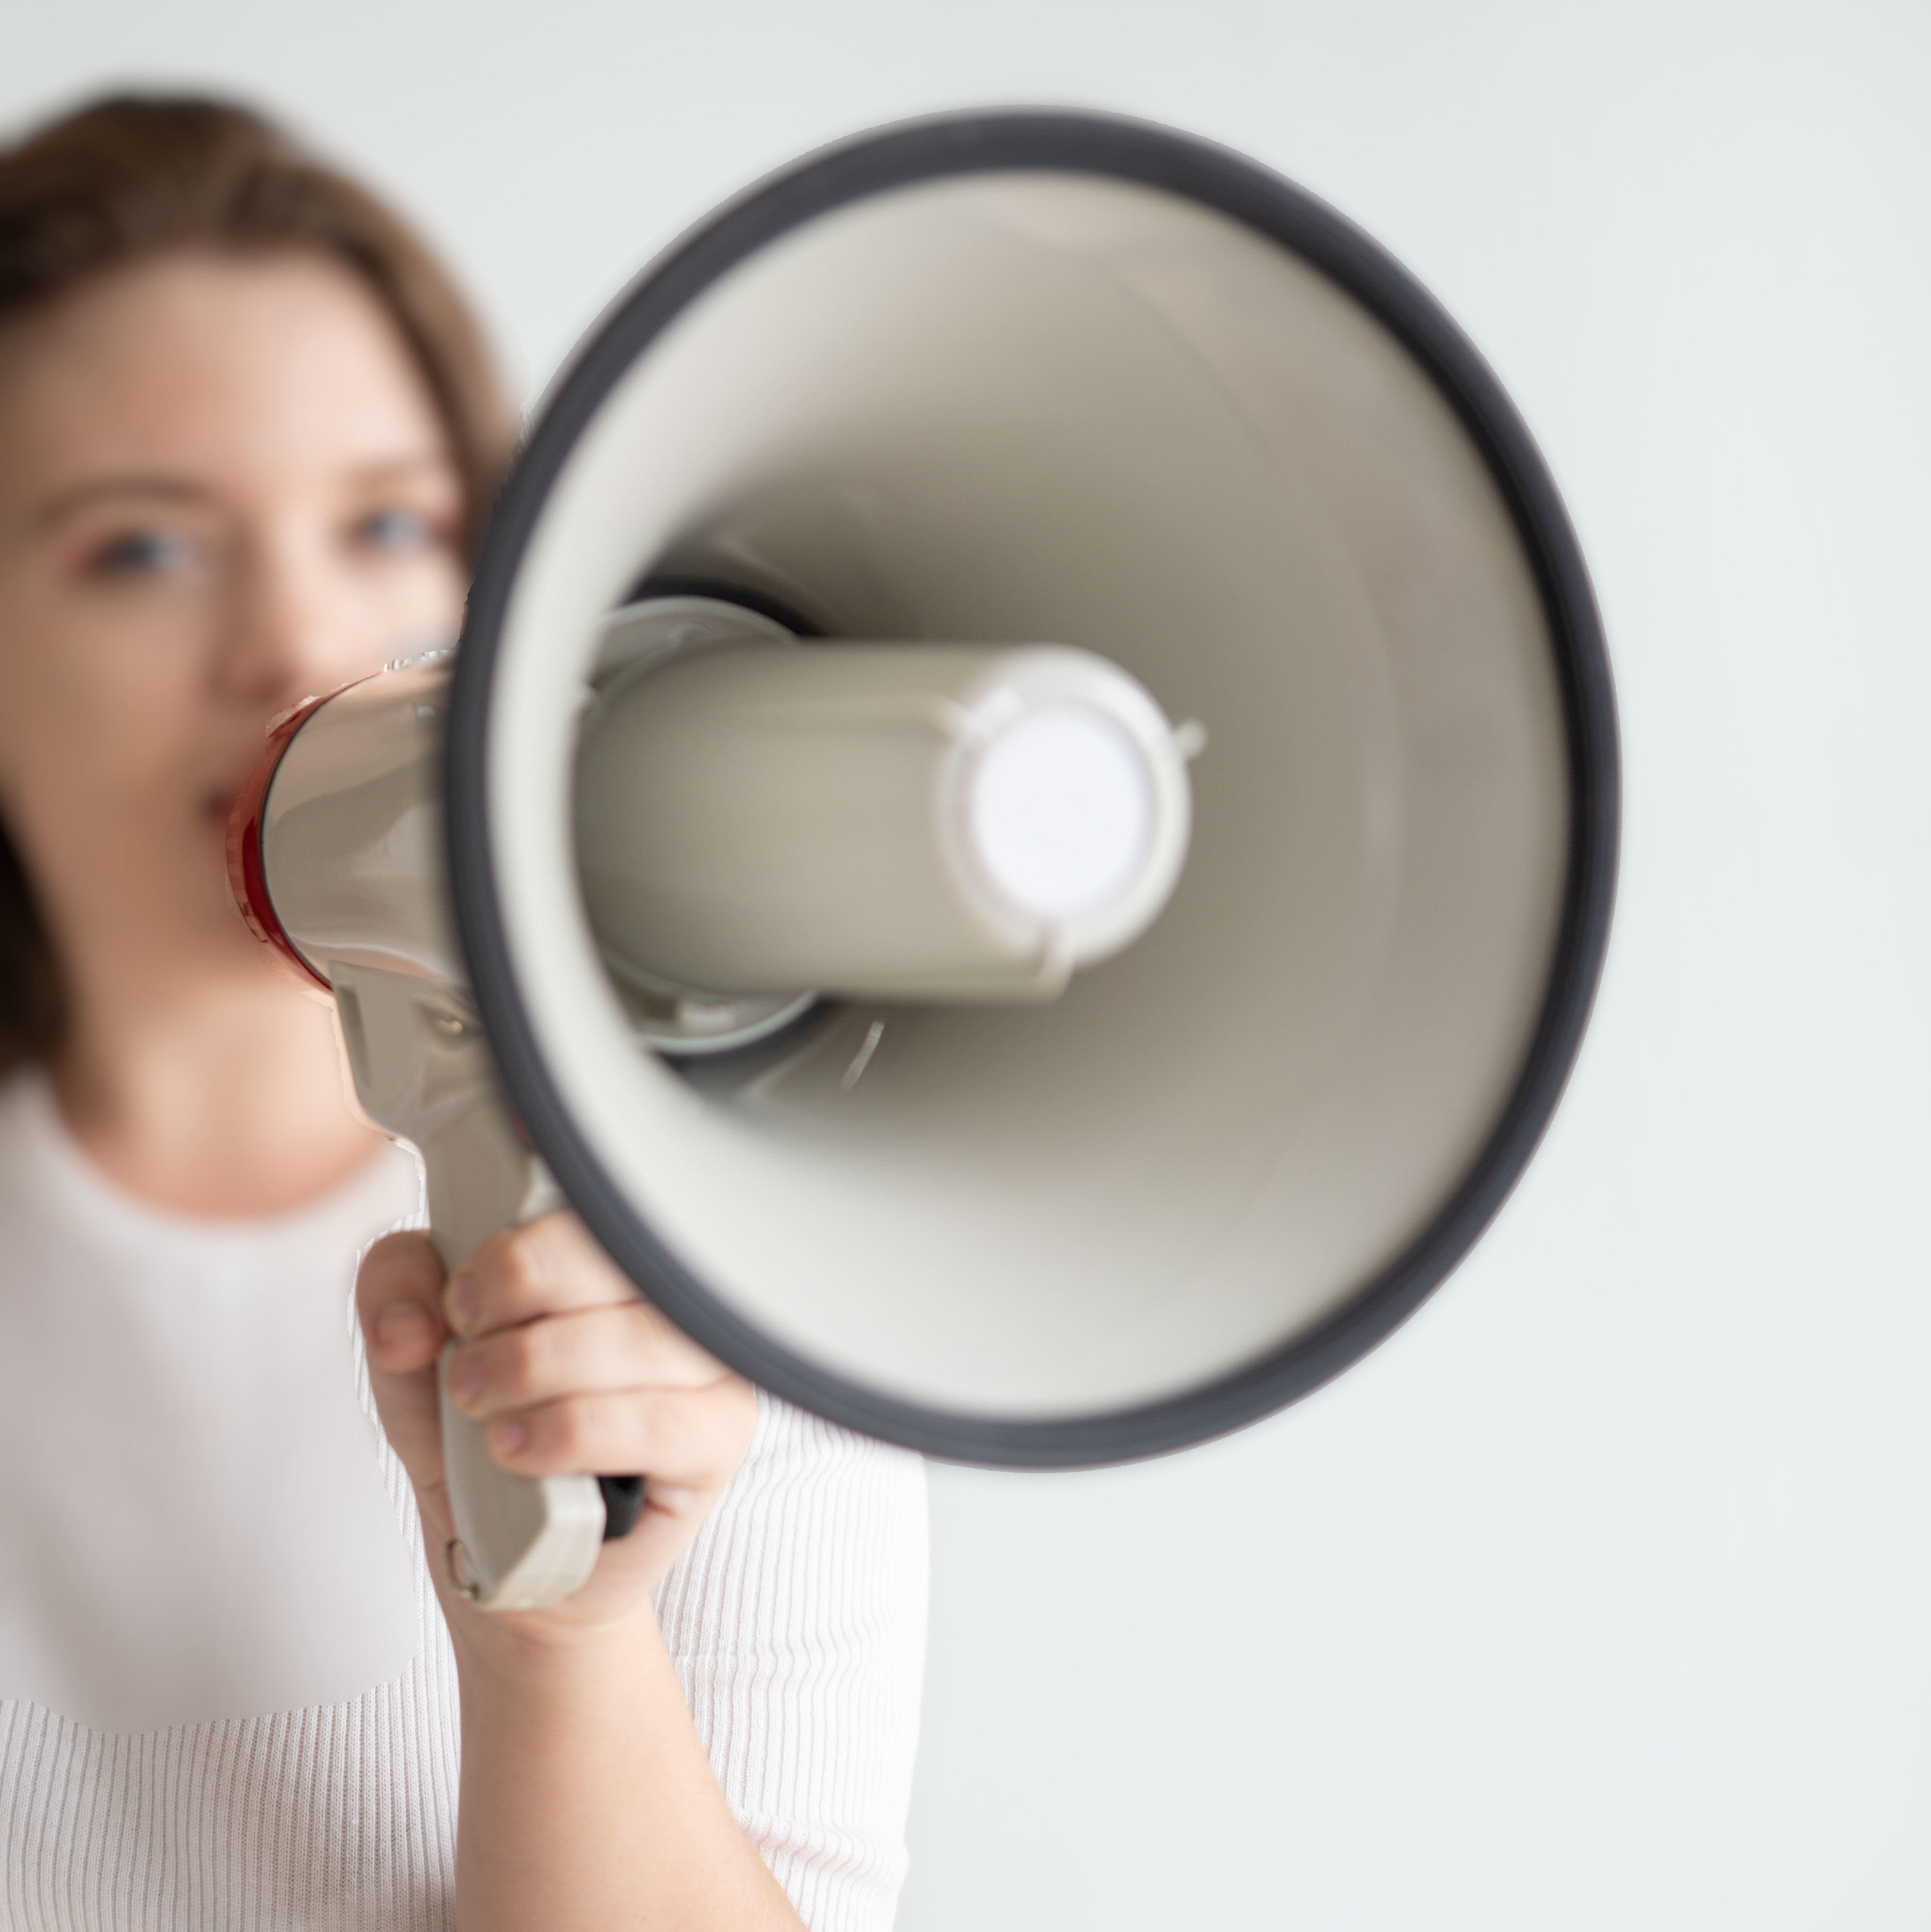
[800, 869]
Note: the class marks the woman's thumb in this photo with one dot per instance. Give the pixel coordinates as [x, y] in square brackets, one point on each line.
[398, 1296]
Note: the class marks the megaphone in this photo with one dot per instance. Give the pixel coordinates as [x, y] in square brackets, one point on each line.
[1024, 822]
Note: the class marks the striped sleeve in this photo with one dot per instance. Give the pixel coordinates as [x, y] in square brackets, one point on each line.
[796, 1621]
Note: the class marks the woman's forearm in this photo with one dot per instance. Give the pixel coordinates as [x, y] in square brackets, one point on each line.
[587, 1801]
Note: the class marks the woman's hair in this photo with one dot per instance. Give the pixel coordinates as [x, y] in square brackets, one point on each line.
[131, 177]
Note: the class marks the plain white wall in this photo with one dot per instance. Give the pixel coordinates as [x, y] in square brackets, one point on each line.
[1600, 1596]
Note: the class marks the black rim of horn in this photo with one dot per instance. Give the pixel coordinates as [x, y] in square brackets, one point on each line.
[1157, 157]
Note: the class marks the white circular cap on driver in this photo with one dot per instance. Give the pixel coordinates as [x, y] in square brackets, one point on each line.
[1060, 811]
[1071, 810]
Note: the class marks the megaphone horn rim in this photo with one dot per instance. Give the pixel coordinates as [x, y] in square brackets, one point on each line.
[1078, 142]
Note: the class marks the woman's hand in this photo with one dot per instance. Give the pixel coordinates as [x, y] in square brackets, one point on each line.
[574, 1374]
[574, 1727]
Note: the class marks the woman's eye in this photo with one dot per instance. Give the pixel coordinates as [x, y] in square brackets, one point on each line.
[396, 531]
[139, 553]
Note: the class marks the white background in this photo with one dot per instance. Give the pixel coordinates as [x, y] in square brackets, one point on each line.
[1600, 1596]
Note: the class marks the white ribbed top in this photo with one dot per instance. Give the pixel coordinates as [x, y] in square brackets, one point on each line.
[795, 1621]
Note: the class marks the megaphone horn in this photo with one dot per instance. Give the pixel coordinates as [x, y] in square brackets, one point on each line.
[829, 911]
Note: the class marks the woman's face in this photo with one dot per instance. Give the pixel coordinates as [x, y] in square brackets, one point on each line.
[223, 486]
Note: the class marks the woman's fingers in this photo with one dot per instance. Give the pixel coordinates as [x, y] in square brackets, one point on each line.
[578, 1374]
[691, 1437]
[551, 1267]
[589, 1351]
[398, 1297]
[544, 1267]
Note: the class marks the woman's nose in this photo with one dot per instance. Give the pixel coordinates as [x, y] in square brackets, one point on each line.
[292, 632]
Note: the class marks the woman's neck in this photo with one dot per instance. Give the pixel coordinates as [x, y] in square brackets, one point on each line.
[220, 1094]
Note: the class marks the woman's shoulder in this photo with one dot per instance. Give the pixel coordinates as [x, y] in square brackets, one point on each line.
[789, 1436]
[818, 1526]
[801, 1466]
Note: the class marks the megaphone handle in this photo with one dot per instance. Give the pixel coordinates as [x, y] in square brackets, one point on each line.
[520, 1544]
[622, 1496]
[423, 1071]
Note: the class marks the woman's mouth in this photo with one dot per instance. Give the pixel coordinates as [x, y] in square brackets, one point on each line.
[215, 808]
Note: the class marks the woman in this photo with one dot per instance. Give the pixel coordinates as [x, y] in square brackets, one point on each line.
[247, 432]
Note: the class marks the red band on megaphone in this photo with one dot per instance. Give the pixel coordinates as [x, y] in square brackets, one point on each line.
[246, 880]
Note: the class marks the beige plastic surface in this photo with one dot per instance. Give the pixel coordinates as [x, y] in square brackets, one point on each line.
[1025, 407]
[769, 817]
[350, 830]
